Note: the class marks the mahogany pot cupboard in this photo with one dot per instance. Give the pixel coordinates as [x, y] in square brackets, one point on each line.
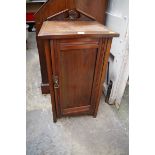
[76, 54]
[76, 49]
[94, 8]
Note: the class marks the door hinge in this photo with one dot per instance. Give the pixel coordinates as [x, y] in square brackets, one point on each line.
[56, 82]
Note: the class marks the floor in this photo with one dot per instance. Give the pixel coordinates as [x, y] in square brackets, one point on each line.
[105, 135]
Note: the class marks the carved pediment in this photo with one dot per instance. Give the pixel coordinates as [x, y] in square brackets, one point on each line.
[91, 9]
[71, 15]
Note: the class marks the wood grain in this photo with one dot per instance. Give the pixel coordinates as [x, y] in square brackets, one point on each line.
[107, 47]
[50, 72]
[76, 54]
[55, 29]
[78, 62]
[93, 8]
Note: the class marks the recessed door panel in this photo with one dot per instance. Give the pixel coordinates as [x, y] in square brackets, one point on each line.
[77, 72]
[75, 65]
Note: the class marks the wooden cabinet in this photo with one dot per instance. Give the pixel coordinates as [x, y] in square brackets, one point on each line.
[76, 54]
[94, 8]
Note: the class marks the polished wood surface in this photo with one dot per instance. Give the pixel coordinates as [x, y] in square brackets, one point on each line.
[76, 64]
[75, 69]
[76, 90]
[106, 48]
[54, 29]
[71, 15]
[95, 8]
[49, 68]
[48, 9]
[92, 8]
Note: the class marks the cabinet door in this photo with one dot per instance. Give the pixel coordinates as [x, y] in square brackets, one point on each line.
[77, 66]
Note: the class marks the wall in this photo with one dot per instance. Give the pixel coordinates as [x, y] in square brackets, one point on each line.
[117, 19]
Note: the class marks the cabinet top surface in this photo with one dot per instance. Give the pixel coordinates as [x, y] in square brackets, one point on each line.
[56, 29]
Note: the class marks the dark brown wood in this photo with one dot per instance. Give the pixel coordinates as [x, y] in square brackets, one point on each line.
[94, 9]
[71, 15]
[50, 78]
[48, 9]
[74, 29]
[82, 110]
[45, 88]
[76, 86]
[55, 68]
[104, 66]
[99, 59]
[33, 7]
[76, 63]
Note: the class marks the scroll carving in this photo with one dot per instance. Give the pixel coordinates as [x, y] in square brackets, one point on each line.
[73, 15]
[70, 15]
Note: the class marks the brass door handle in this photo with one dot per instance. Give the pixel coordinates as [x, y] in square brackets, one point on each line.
[56, 82]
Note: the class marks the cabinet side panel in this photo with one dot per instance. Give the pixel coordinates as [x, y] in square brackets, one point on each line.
[106, 48]
[77, 72]
[50, 72]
